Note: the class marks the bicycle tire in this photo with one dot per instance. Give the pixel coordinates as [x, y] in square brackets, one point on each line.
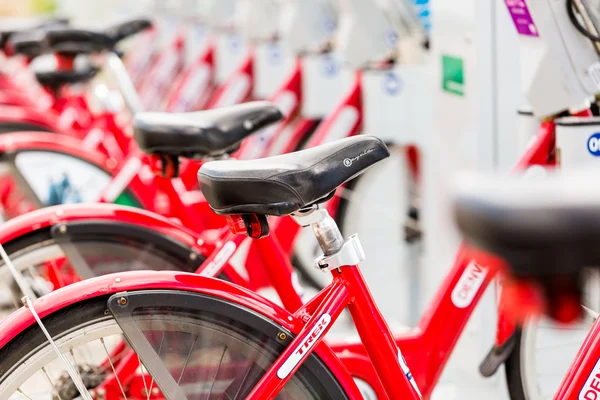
[246, 327]
[512, 369]
[529, 375]
[165, 253]
[17, 126]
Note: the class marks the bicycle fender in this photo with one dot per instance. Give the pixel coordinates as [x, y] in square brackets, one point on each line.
[107, 285]
[109, 213]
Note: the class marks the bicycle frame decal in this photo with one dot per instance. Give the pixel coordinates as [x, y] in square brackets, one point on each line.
[407, 373]
[220, 259]
[468, 285]
[591, 388]
[235, 92]
[303, 348]
[120, 182]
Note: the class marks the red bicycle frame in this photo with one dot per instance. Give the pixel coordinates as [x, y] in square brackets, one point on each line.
[425, 348]
[347, 290]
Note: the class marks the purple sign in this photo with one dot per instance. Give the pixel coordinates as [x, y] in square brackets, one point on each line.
[521, 17]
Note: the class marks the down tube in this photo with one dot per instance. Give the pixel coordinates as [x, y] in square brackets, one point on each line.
[445, 319]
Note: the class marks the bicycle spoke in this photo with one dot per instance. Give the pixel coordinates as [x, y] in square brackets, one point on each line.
[20, 391]
[243, 380]
[86, 354]
[113, 368]
[150, 391]
[143, 369]
[256, 362]
[187, 360]
[162, 340]
[116, 358]
[217, 371]
[51, 383]
[76, 368]
[74, 360]
[143, 374]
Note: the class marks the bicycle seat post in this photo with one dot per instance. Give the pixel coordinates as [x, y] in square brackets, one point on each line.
[328, 234]
[117, 69]
[325, 228]
[337, 252]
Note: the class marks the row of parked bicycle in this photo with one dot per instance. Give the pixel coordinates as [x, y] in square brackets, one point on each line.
[123, 303]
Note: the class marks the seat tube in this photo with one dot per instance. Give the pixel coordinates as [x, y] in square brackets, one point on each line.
[377, 338]
[370, 324]
[280, 272]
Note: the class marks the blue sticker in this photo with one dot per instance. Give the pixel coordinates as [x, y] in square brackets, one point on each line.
[424, 13]
[330, 67]
[200, 31]
[392, 84]
[593, 144]
[391, 38]
[329, 25]
[235, 41]
[275, 53]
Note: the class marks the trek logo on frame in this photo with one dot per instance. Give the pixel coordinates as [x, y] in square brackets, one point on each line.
[303, 347]
[591, 388]
[468, 285]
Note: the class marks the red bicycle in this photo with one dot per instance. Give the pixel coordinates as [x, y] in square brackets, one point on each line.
[242, 349]
[449, 311]
[49, 103]
[542, 231]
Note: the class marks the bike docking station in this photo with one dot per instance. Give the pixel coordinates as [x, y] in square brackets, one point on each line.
[258, 23]
[562, 73]
[490, 112]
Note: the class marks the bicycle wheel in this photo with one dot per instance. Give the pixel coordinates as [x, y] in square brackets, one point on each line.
[545, 350]
[18, 126]
[542, 357]
[215, 349]
[26, 182]
[49, 259]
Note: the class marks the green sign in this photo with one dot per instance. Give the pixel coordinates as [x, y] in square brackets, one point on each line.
[453, 79]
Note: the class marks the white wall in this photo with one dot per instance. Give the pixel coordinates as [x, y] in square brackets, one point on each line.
[96, 13]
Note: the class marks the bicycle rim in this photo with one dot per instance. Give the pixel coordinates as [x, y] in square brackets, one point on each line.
[39, 255]
[547, 350]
